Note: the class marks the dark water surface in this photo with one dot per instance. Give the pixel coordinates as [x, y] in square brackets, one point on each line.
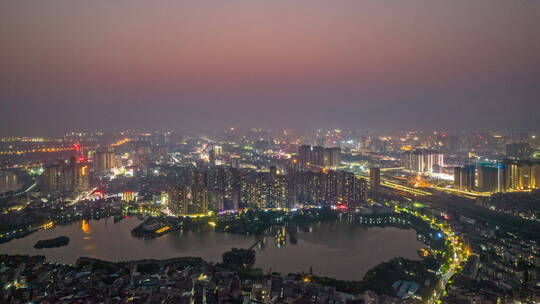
[341, 250]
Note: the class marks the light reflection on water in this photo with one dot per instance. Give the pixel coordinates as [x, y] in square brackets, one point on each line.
[335, 249]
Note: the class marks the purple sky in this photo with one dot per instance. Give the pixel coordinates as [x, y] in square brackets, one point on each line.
[197, 64]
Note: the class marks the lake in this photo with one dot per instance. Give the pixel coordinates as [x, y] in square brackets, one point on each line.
[336, 249]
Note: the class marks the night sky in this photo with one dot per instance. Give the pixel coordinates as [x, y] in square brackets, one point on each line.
[207, 64]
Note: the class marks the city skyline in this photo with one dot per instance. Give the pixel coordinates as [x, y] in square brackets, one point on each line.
[187, 65]
[270, 152]
[438, 202]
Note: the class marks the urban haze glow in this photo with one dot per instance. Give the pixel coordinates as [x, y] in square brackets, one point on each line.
[205, 64]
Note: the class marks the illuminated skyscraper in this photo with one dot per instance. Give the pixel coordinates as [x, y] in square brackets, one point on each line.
[487, 178]
[500, 177]
[334, 157]
[198, 202]
[523, 175]
[192, 199]
[104, 161]
[375, 178]
[178, 202]
[81, 176]
[305, 156]
[464, 178]
[422, 160]
[319, 156]
[65, 177]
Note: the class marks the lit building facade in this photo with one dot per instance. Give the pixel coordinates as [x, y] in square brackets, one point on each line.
[423, 160]
[104, 161]
[509, 175]
[375, 178]
[319, 156]
[65, 177]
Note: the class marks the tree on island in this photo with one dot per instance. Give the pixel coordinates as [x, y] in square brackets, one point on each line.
[243, 258]
[52, 243]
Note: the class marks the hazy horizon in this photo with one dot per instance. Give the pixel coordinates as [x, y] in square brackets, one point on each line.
[198, 66]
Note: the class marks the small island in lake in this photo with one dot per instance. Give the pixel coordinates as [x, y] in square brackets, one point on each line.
[60, 241]
[151, 227]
